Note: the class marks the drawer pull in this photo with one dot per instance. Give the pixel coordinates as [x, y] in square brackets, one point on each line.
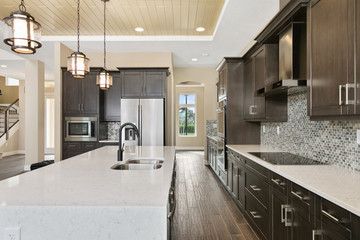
[315, 233]
[278, 182]
[298, 196]
[283, 207]
[253, 214]
[255, 188]
[288, 223]
[330, 216]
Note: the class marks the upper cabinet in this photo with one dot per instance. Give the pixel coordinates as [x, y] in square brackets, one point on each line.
[110, 100]
[143, 83]
[331, 34]
[262, 69]
[222, 84]
[80, 96]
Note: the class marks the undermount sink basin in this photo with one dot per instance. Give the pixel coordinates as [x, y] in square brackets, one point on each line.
[128, 166]
[144, 161]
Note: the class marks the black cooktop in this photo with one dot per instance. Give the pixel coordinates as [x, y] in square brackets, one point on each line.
[285, 158]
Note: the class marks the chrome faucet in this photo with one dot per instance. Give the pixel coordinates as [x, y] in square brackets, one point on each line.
[121, 145]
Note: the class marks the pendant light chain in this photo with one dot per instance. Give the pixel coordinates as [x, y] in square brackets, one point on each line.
[22, 6]
[105, 35]
[78, 25]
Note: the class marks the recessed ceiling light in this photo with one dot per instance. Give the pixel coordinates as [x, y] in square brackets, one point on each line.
[205, 54]
[194, 59]
[200, 29]
[139, 29]
[3, 66]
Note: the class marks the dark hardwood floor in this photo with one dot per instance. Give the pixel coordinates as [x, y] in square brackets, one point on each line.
[11, 166]
[204, 209]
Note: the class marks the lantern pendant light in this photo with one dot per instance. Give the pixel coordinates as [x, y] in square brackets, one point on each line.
[78, 63]
[104, 79]
[22, 32]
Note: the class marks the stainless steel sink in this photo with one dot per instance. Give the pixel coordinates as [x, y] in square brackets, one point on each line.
[128, 166]
[144, 161]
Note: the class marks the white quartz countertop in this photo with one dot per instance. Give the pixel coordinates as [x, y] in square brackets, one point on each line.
[87, 180]
[334, 183]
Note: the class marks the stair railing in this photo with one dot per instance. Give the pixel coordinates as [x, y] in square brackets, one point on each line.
[7, 111]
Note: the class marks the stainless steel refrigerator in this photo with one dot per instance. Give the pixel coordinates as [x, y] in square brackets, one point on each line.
[148, 116]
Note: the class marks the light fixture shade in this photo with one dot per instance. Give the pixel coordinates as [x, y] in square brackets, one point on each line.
[104, 80]
[22, 32]
[78, 65]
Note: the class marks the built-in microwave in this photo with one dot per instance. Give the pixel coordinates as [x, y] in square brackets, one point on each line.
[80, 129]
[221, 118]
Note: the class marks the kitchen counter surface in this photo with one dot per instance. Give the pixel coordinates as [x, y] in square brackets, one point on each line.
[334, 183]
[87, 180]
[82, 198]
[215, 138]
[108, 141]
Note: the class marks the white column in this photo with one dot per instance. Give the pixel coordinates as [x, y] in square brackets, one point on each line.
[34, 112]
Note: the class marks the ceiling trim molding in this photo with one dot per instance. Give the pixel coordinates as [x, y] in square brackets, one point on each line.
[128, 38]
[220, 17]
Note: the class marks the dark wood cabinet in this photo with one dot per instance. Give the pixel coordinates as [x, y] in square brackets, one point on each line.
[72, 149]
[222, 84]
[143, 83]
[261, 69]
[331, 57]
[212, 154]
[80, 96]
[110, 100]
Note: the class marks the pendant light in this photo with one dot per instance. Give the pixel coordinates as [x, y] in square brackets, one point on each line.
[22, 32]
[104, 79]
[78, 63]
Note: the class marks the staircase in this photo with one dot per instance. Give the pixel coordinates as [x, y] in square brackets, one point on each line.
[9, 116]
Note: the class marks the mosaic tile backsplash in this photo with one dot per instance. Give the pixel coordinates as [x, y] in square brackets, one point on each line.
[325, 141]
[113, 130]
[211, 127]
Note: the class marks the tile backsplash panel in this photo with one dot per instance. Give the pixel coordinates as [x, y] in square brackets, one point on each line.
[325, 141]
[211, 127]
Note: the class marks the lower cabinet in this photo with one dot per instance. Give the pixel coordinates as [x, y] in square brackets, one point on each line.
[212, 154]
[71, 149]
[279, 209]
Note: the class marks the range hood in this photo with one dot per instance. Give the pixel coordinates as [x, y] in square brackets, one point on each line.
[292, 62]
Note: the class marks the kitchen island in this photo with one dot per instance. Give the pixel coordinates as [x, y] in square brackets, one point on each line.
[83, 198]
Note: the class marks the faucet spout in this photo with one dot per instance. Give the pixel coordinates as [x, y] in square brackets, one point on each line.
[121, 145]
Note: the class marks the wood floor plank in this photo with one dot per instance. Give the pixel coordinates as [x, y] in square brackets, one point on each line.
[204, 208]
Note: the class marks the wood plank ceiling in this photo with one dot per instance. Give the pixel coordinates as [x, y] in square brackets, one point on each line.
[157, 17]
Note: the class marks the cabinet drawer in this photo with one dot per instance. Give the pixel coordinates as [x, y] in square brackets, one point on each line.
[72, 146]
[240, 159]
[223, 177]
[258, 187]
[279, 183]
[89, 146]
[335, 217]
[264, 173]
[257, 214]
[302, 200]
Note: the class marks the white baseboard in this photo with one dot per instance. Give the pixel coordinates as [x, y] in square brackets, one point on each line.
[27, 168]
[189, 148]
[5, 154]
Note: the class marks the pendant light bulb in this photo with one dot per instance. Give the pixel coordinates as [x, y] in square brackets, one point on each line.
[22, 32]
[78, 64]
[104, 79]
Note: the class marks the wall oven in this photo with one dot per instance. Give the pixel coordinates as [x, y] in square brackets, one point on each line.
[221, 110]
[80, 129]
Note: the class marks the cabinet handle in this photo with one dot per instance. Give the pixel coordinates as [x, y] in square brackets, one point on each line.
[330, 216]
[347, 86]
[286, 220]
[283, 207]
[255, 188]
[298, 196]
[173, 202]
[252, 110]
[253, 214]
[278, 182]
[340, 96]
[315, 233]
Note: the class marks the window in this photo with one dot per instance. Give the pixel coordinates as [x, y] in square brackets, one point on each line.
[187, 115]
[12, 81]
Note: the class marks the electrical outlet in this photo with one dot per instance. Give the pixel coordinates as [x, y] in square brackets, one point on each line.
[263, 128]
[12, 234]
[358, 136]
[278, 130]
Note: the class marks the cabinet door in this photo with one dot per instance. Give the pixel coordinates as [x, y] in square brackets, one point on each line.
[222, 83]
[71, 94]
[331, 39]
[154, 84]
[132, 84]
[259, 72]
[235, 180]
[112, 99]
[90, 95]
[278, 203]
[241, 185]
[230, 165]
[248, 90]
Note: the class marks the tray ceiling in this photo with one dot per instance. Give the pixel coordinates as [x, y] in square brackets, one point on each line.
[157, 17]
